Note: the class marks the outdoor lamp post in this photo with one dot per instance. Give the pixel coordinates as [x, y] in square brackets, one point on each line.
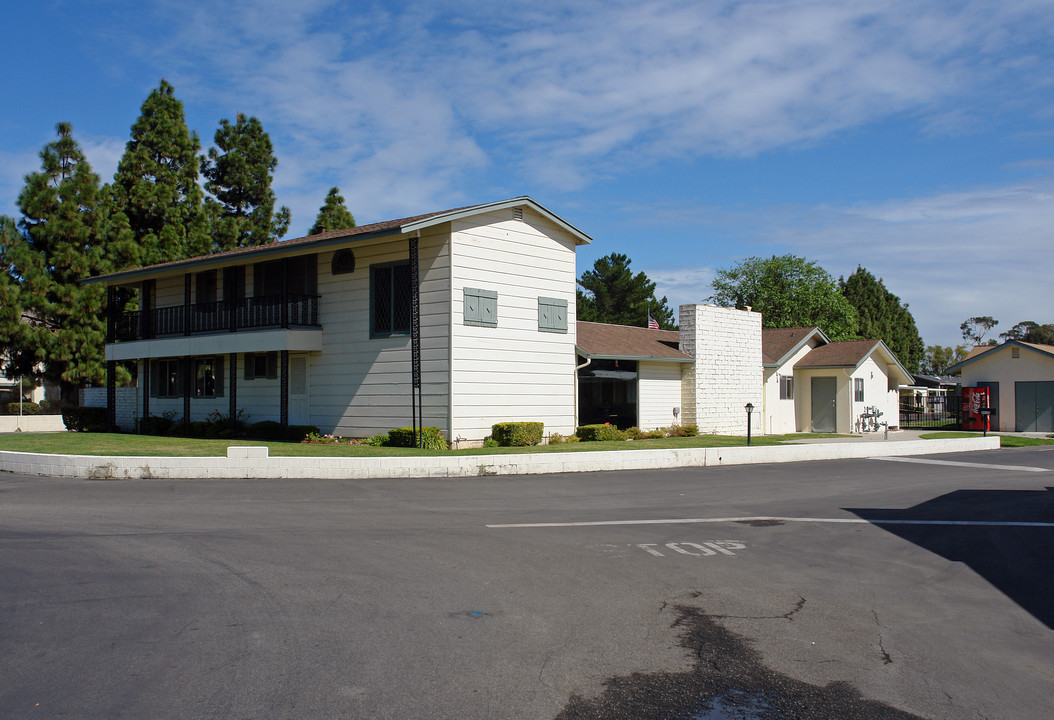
[750, 409]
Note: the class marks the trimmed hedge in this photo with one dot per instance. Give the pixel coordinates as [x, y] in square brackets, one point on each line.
[516, 434]
[28, 408]
[265, 430]
[404, 437]
[86, 419]
[154, 425]
[596, 433]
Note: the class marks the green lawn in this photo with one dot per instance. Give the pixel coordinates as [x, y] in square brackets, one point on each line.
[1004, 440]
[119, 444]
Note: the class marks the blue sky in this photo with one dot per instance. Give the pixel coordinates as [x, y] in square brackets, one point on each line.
[912, 137]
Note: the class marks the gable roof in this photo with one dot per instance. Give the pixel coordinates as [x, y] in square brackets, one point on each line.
[337, 237]
[602, 341]
[983, 351]
[778, 344]
[852, 353]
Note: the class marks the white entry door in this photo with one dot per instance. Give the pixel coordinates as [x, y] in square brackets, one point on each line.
[299, 401]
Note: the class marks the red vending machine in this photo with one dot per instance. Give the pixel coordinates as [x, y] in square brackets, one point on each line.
[974, 400]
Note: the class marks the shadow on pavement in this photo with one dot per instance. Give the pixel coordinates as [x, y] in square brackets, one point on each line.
[727, 681]
[1015, 559]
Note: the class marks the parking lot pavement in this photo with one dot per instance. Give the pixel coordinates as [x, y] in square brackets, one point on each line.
[864, 588]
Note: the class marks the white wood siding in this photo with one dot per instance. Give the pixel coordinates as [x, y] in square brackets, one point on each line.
[658, 393]
[512, 371]
[360, 386]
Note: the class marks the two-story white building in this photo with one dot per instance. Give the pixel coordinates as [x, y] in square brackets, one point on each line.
[316, 330]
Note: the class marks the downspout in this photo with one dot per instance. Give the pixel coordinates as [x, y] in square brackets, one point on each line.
[577, 368]
[849, 375]
[450, 341]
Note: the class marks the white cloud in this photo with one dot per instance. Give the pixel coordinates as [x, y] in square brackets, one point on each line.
[403, 102]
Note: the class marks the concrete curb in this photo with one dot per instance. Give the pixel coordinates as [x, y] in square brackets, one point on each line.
[253, 462]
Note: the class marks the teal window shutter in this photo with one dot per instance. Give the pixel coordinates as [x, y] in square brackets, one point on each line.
[552, 315]
[481, 307]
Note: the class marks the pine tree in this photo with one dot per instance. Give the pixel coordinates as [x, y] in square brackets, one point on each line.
[58, 331]
[157, 202]
[882, 316]
[333, 215]
[238, 173]
[613, 294]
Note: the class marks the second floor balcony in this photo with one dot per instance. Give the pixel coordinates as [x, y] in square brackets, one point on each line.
[268, 311]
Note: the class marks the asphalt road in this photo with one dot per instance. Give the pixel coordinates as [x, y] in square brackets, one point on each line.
[840, 589]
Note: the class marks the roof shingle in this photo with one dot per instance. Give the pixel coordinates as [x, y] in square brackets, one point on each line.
[624, 341]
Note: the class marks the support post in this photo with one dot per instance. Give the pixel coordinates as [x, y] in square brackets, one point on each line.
[111, 395]
[417, 407]
[188, 384]
[232, 385]
[284, 389]
[186, 304]
[144, 380]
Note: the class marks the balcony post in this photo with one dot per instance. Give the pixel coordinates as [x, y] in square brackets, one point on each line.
[233, 385]
[111, 310]
[144, 380]
[284, 389]
[186, 304]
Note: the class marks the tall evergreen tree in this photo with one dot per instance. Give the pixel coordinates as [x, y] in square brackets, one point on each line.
[788, 291]
[613, 294]
[156, 197]
[238, 174]
[882, 316]
[59, 324]
[333, 215]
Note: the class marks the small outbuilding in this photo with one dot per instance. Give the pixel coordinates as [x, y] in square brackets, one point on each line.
[1020, 381]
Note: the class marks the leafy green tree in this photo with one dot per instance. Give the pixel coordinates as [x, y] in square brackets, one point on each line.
[881, 316]
[788, 291]
[1030, 331]
[938, 359]
[58, 330]
[238, 173]
[613, 294]
[974, 329]
[333, 215]
[156, 198]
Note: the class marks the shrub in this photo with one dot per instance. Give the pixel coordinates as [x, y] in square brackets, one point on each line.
[297, 433]
[28, 408]
[378, 440]
[431, 436]
[197, 429]
[517, 434]
[595, 433]
[558, 439]
[265, 430]
[153, 425]
[490, 442]
[86, 419]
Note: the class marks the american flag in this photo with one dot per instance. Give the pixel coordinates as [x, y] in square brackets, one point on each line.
[653, 324]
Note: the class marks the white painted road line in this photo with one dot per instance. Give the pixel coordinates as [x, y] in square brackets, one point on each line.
[979, 466]
[772, 519]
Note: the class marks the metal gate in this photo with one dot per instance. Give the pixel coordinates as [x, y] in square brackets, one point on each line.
[933, 411]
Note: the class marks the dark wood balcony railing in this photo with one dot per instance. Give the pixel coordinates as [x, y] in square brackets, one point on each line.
[215, 317]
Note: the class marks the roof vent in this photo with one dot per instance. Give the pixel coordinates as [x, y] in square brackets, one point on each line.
[517, 214]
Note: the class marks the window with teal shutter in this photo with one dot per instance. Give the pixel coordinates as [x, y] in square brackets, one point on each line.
[481, 307]
[552, 315]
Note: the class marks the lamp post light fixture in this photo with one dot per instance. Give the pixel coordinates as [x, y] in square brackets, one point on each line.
[750, 409]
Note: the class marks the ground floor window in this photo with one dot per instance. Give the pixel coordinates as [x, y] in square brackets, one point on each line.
[205, 378]
[168, 379]
[607, 393]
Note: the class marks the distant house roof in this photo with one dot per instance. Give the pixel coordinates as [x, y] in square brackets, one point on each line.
[778, 344]
[623, 342]
[337, 237]
[983, 350]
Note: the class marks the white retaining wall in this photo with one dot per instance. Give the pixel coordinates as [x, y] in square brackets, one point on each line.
[250, 462]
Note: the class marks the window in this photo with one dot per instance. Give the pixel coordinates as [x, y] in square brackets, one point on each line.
[786, 387]
[858, 389]
[208, 377]
[168, 380]
[481, 307]
[206, 287]
[390, 299]
[552, 315]
[261, 365]
[343, 262]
